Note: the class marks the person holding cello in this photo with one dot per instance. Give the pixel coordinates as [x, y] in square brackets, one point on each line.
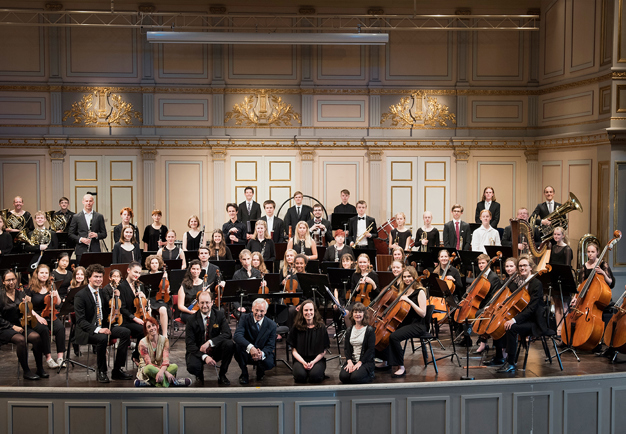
[12, 328]
[364, 281]
[360, 340]
[411, 327]
[160, 300]
[134, 304]
[191, 286]
[446, 271]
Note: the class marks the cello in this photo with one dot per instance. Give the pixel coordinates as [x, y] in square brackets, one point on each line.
[584, 325]
[475, 294]
[385, 298]
[484, 315]
[441, 311]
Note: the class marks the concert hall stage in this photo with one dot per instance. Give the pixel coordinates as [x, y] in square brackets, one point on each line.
[586, 397]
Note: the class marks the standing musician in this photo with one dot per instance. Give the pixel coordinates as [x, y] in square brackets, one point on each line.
[64, 204]
[208, 340]
[262, 242]
[428, 235]
[234, 229]
[154, 234]
[39, 287]
[413, 325]
[41, 238]
[302, 241]
[87, 228]
[358, 228]
[337, 250]
[275, 226]
[522, 243]
[488, 202]
[446, 271]
[546, 208]
[170, 250]
[485, 235]
[6, 240]
[249, 209]
[218, 249]
[344, 207]
[365, 273]
[360, 340]
[194, 236]
[400, 237]
[61, 274]
[494, 284]
[127, 248]
[531, 320]
[319, 227]
[11, 330]
[190, 287]
[297, 213]
[126, 214]
[92, 312]
[457, 234]
[154, 263]
[561, 254]
[19, 211]
[132, 289]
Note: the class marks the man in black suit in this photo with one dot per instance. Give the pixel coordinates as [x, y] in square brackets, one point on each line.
[87, 228]
[92, 313]
[546, 208]
[457, 233]
[65, 212]
[255, 340]
[208, 340]
[297, 213]
[248, 209]
[359, 224]
[344, 207]
[275, 226]
[319, 225]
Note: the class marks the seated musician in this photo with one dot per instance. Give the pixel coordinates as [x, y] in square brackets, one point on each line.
[12, 331]
[61, 274]
[275, 226]
[337, 250]
[319, 227]
[494, 284]
[171, 251]
[364, 274]
[288, 265]
[218, 249]
[246, 271]
[531, 320]
[485, 235]
[155, 368]
[447, 271]
[115, 277]
[255, 341]
[427, 236]
[397, 254]
[302, 241]
[258, 263]
[132, 289]
[234, 230]
[309, 341]
[347, 263]
[360, 340]
[362, 228]
[211, 271]
[262, 242]
[412, 326]
[457, 233]
[522, 243]
[92, 312]
[127, 248]
[159, 308]
[191, 285]
[208, 340]
[400, 237]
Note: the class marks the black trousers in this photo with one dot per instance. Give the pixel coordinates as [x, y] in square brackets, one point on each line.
[244, 359]
[394, 353]
[315, 375]
[122, 334]
[221, 353]
[499, 346]
[364, 374]
[524, 330]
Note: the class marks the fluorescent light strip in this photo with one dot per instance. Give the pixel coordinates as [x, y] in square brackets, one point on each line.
[268, 38]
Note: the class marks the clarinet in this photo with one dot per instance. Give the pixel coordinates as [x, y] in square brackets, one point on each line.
[336, 254]
[302, 246]
[263, 248]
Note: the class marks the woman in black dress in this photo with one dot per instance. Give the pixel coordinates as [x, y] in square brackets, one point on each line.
[171, 251]
[309, 341]
[400, 237]
[192, 284]
[364, 274]
[262, 242]
[6, 240]
[427, 236]
[302, 241]
[155, 264]
[217, 247]
[193, 237]
[603, 269]
[154, 234]
[127, 249]
[360, 340]
[126, 214]
[561, 254]
[61, 274]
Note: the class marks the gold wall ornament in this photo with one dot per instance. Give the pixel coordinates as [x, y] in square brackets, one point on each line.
[102, 108]
[419, 110]
[262, 109]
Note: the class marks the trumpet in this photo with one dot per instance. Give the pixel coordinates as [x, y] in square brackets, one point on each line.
[57, 222]
[367, 231]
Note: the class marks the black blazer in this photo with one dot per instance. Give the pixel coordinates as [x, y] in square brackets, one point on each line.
[117, 233]
[495, 212]
[449, 235]
[195, 331]
[264, 339]
[367, 350]
[352, 230]
[291, 218]
[278, 229]
[542, 212]
[242, 212]
[329, 230]
[86, 315]
[128, 300]
[535, 311]
[78, 229]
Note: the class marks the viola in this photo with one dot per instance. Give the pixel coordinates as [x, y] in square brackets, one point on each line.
[28, 319]
[164, 287]
[584, 325]
[263, 289]
[483, 317]
[205, 286]
[475, 294]
[615, 333]
[291, 285]
[115, 306]
[50, 310]
[141, 305]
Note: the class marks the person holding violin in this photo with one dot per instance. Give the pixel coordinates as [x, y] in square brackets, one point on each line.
[495, 284]
[302, 241]
[46, 301]
[127, 215]
[258, 263]
[211, 271]
[397, 254]
[309, 342]
[194, 236]
[154, 234]
[92, 312]
[135, 308]
[191, 286]
[12, 331]
[61, 274]
[364, 280]
[218, 249]
[319, 227]
[360, 340]
[159, 300]
[170, 250]
[347, 263]
[262, 242]
[411, 327]
[127, 249]
[115, 277]
[337, 250]
[400, 237]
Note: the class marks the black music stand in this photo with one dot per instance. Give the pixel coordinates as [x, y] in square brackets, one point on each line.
[235, 249]
[173, 264]
[102, 258]
[269, 264]
[250, 224]
[18, 263]
[151, 283]
[421, 260]
[50, 256]
[439, 288]
[280, 248]
[176, 280]
[227, 268]
[340, 221]
[144, 256]
[67, 308]
[385, 278]
[190, 255]
[313, 266]
[64, 240]
[469, 259]
[340, 278]
[240, 289]
[325, 265]
[474, 226]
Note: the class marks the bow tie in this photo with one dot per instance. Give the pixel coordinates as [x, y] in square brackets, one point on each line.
[361, 218]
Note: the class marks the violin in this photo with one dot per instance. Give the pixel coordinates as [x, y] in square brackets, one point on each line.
[218, 288]
[115, 306]
[28, 319]
[195, 306]
[164, 287]
[361, 293]
[141, 305]
[263, 289]
[291, 285]
[475, 294]
[50, 309]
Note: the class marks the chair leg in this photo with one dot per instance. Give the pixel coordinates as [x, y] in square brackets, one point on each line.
[556, 352]
[546, 349]
[527, 351]
[424, 343]
[519, 347]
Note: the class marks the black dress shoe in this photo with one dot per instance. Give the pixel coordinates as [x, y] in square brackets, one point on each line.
[118, 374]
[43, 374]
[76, 350]
[243, 379]
[507, 367]
[260, 377]
[483, 351]
[29, 375]
[222, 380]
[494, 362]
[394, 375]
[103, 377]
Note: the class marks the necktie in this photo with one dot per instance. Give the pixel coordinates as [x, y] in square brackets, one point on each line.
[249, 208]
[258, 326]
[550, 207]
[458, 235]
[298, 212]
[207, 333]
[98, 310]
[361, 218]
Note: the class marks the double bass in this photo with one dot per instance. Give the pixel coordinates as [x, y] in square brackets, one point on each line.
[475, 294]
[615, 333]
[584, 325]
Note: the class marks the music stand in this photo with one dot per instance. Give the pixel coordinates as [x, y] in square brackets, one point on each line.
[18, 262]
[439, 288]
[190, 255]
[269, 264]
[474, 226]
[151, 283]
[67, 308]
[469, 259]
[421, 260]
[64, 240]
[235, 249]
[227, 268]
[49, 256]
[325, 265]
[321, 251]
[313, 266]
[340, 221]
[144, 256]
[174, 264]
[102, 258]
[250, 224]
[385, 278]
[280, 248]
[240, 289]
[176, 279]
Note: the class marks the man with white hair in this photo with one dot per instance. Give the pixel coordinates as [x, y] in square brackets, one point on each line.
[87, 228]
[255, 341]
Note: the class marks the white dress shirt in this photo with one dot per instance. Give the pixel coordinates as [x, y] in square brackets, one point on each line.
[482, 237]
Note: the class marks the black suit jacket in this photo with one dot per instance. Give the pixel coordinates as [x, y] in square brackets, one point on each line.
[195, 331]
[264, 339]
[128, 300]
[495, 212]
[535, 311]
[352, 230]
[542, 212]
[78, 229]
[329, 230]
[291, 218]
[449, 235]
[242, 212]
[278, 229]
[86, 315]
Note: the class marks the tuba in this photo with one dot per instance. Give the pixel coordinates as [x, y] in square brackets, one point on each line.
[581, 252]
[557, 217]
[13, 221]
[56, 222]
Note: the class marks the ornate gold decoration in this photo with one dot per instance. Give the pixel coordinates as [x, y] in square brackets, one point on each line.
[148, 153]
[531, 155]
[307, 154]
[102, 108]
[262, 109]
[418, 110]
[56, 153]
[218, 154]
[375, 154]
[461, 154]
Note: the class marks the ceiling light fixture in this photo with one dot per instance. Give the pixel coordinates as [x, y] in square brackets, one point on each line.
[268, 38]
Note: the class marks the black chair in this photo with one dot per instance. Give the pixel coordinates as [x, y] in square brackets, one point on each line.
[426, 340]
[526, 341]
[283, 332]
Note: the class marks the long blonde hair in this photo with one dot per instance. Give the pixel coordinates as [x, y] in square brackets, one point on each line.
[285, 265]
[266, 234]
[308, 242]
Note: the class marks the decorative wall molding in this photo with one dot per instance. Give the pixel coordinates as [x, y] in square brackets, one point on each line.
[262, 109]
[419, 110]
[56, 153]
[102, 108]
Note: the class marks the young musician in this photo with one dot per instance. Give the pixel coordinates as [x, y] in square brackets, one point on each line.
[546, 208]
[248, 209]
[115, 277]
[234, 229]
[126, 214]
[262, 242]
[171, 251]
[87, 228]
[427, 235]
[446, 271]
[194, 236]
[6, 240]
[160, 308]
[246, 271]
[64, 212]
[297, 213]
[602, 268]
[561, 254]
[488, 202]
[344, 207]
[18, 210]
[288, 265]
[522, 242]
[360, 340]
[363, 227]
[397, 254]
[60, 274]
[43, 238]
[192, 285]
[337, 250]
[210, 271]
[320, 227]
[495, 284]
[258, 263]
[457, 233]
[78, 278]
[485, 235]
[218, 249]
[155, 233]
[302, 241]
[365, 274]
[400, 237]
[309, 341]
[127, 248]
[130, 290]
[275, 226]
